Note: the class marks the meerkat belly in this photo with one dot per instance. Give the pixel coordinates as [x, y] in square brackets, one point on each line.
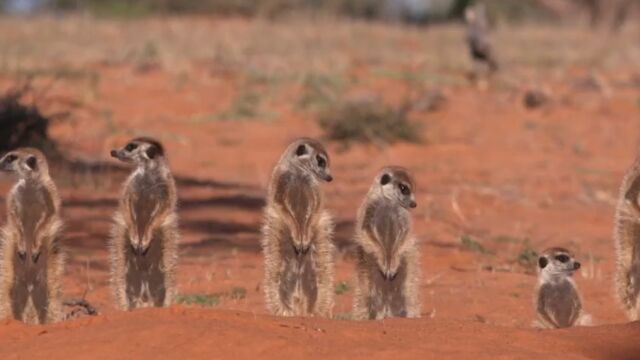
[145, 275]
[149, 194]
[35, 204]
[563, 304]
[297, 195]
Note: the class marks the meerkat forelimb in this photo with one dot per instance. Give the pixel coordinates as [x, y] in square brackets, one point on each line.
[627, 242]
[296, 234]
[32, 260]
[387, 270]
[557, 300]
[144, 237]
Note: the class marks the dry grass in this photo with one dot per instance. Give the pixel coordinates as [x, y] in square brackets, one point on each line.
[293, 48]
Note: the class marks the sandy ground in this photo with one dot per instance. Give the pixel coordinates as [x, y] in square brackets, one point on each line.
[508, 177]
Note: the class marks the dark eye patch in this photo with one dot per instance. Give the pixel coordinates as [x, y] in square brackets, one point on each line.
[32, 162]
[131, 146]
[301, 150]
[321, 161]
[11, 158]
[542, 262]
[404, 189]
[562, 258]
[385, 179]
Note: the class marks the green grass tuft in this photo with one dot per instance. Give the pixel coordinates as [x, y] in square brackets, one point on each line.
[342, 287]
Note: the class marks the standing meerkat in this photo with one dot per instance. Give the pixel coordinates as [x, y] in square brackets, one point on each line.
[387, 271]
[627, 242]
[478, 37]
[557, 300]
[145, 234]
[296, 235]
[31, 261]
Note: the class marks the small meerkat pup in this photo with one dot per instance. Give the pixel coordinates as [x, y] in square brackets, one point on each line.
[296, 235]
[557, 300]
[31, 261]
[627, 242]
[145, 234]
[387, 271]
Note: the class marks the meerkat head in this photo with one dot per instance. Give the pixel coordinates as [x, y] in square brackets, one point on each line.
[25, 162]
[556, 263]
[310, 156]
[470, 14]
[140, 151]
[396, 184]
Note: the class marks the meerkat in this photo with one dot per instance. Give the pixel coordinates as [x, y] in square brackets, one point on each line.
[478, 39]
[296, 235]
[387, 271]
[627, 242]
[32, 260]
[557, 299]
[144, 237]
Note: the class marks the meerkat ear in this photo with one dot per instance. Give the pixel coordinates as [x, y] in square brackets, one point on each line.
[152, 151]
[32, 162]
[542, 262]
[301, 150]
[385, 179]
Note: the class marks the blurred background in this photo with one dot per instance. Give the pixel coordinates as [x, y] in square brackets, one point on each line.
[517, 118]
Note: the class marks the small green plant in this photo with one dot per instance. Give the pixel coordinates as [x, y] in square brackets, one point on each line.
[198, 299]
[528, 256]
[506, 239]
[471, 244]
[342, 287]
[320, 91]
[246, 106]
[368, 122]
[237, 293]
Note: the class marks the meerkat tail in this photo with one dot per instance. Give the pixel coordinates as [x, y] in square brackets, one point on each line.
[324, 265]
[411, 285]
[117, 243]
[627, 277]
[170, 234]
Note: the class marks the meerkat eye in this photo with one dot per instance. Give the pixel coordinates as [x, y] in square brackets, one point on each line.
[385, 179]
[321, 161]
[301, 150]
[131, 146]
[11, 158]
[562, 258]
[542, 262]
[404, 189]
[32, 162]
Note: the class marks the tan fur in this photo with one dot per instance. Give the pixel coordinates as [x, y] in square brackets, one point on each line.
[557, 300]
[34, 195]
[387, 268]
[627, 242]
[298, 251]
[145, 260]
